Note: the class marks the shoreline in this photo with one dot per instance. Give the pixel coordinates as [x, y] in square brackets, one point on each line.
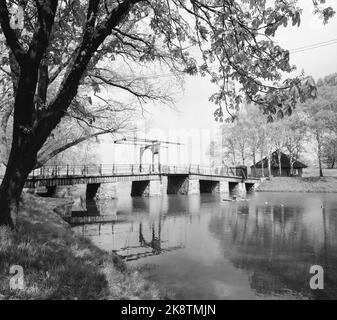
[299, 184]
[58, 264]
[297, 191]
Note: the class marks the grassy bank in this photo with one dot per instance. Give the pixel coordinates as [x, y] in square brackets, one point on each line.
[295, 184]
[58, 264]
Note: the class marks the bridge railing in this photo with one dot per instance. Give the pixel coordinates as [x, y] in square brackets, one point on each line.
[129, 169]
[90, 170]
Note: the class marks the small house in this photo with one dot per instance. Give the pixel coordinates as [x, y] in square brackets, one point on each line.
[298, 166]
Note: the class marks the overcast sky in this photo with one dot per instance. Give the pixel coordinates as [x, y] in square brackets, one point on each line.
[194, 123]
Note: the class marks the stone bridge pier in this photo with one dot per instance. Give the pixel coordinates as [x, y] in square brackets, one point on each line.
[91, 191]
[186, 185]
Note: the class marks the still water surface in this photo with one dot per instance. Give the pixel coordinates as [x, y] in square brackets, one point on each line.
[201, 247]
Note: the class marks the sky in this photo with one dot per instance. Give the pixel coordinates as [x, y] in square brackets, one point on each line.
[192, 122]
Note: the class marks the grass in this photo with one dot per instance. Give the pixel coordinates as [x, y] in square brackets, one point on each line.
[58, 264]
[296, 184]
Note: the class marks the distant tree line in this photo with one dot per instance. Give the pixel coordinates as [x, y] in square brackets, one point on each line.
[250, 137]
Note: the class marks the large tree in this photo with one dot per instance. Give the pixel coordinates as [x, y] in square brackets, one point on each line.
[321, 118]
[235, 34]
[103, 104]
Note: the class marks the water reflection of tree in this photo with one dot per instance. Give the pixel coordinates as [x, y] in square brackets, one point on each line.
[276, 248]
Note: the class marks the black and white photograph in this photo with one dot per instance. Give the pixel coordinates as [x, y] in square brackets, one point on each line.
[168, 155]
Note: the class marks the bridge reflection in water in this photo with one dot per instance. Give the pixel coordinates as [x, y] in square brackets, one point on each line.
[207, 248]
[147, 232]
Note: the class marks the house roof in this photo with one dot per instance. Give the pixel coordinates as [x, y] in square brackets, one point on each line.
[285, 162]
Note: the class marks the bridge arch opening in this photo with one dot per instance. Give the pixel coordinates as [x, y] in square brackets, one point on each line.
[91, 191]
[140, 188]
[209, 186]
[233, 187]
[51, 191]
[177, 184]
[250, 187]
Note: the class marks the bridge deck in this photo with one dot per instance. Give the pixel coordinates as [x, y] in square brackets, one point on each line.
[69, 175]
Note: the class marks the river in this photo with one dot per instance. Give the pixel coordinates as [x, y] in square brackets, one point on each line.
[201, 247]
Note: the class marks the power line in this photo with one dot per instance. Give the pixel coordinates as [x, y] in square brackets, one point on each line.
[314, 47]
[314, 44]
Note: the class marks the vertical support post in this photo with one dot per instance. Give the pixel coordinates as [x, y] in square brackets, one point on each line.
[141, 150]
[152, 151]
[67, 170]
[101, 169]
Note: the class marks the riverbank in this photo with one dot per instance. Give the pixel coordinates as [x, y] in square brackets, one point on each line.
[58, 264]
[296, 184]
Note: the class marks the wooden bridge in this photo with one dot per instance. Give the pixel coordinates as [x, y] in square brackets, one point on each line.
[147, 180]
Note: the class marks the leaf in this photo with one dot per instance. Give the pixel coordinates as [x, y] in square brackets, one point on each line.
[280, 114]
[270, 119]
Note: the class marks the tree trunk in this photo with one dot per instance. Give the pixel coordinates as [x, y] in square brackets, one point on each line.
[291, 168]
[320, 165]
[319, 153]
[20, 163]
[254, 162]
[279, 162]
[269, 165]
[320, 168]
